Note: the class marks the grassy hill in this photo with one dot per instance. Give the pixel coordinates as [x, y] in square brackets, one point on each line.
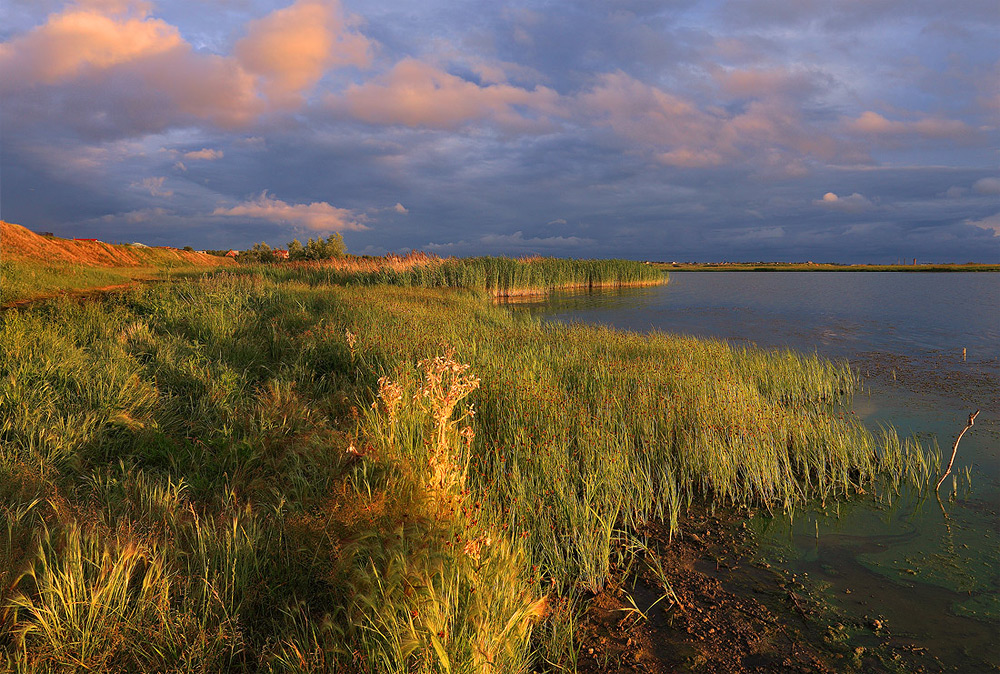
[34, 266]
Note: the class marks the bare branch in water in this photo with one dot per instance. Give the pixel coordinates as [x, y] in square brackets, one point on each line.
[954, 449]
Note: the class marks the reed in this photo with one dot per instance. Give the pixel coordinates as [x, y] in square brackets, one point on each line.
[261, 470]
[496, 276]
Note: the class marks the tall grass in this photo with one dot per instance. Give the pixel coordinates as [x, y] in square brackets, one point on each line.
[25, 280]
[498, 276]
[264, 471]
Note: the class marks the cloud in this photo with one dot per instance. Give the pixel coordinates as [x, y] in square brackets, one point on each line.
[519, 240]
[991, 223]
[291, 48]
[763, 82]
[100, 68]
[144, 215]
[875, 125]
[417, 94]
[557, 221]
[855, 203]
[205, 153]
[400, 208]
[678, 132]
[82, 38]
[511, 243]
[317, 216]
[154, 186]
[989, 186]
[756, 235]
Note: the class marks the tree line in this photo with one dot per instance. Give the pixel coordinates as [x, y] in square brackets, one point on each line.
[314, 249]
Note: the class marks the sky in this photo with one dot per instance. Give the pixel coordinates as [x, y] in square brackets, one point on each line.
[721, 130]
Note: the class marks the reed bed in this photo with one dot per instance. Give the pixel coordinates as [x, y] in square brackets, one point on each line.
[496, 276]
[262, 471]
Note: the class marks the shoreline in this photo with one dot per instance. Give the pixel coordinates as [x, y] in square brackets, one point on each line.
[541, 292]
[726, 611]
[809, 266]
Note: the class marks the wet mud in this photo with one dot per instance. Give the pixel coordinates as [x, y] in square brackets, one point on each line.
[705, 602]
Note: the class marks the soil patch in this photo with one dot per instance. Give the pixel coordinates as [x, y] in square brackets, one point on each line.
[700, 603]
[20, 243]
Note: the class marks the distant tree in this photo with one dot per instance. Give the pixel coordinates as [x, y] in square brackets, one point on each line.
[261, 252]
[318, 249]
[334, 246]
[189, 249]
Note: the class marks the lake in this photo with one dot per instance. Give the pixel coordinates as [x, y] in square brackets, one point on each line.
[929, 573]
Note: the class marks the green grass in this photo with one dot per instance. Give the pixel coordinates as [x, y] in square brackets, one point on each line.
[493, 275]
[180, 480]
[27, 280]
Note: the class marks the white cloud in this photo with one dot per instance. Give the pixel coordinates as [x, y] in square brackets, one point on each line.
[317, 216]
[855, 203]
[400, 208]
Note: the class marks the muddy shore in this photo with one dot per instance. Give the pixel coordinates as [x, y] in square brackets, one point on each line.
[726, 612]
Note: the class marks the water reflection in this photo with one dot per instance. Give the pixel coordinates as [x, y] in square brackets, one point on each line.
[934, 579]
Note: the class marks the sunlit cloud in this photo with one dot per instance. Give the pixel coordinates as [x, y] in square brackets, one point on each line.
[292, 48]
[83, 38]
[317, 216]
[991, 223]
[679, 132]
[417, 94]
[154, 186]
[854, 203]
[875, 125]
[206, 154]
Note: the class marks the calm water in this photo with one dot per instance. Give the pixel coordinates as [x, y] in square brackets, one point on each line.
[932, 576]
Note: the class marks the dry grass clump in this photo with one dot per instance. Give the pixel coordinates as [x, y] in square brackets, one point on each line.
[366, 265]
[459, 599]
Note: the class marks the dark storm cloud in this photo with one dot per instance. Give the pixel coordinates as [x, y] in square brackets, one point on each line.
[757, 129]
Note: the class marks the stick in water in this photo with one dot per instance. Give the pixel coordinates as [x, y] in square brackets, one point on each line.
[954, 449]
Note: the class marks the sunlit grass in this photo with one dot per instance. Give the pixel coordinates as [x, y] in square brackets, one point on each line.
[240, 473]
[497, 276]
[31, 279]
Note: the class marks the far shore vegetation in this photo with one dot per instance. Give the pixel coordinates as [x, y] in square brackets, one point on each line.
[812, 266]
[37, 265]
[365, 465]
